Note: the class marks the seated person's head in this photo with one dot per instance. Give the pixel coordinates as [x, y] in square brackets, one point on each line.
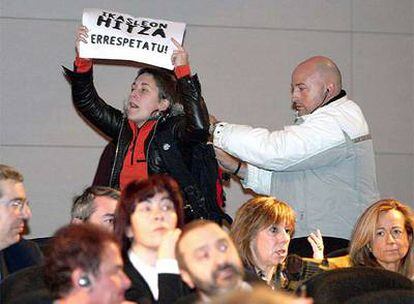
[260, 295]
[208, 258]
[84, 264]
[96, 205]
[383, 237]
[14, 209]
[152, 93]
[148, 210]
[262, 230]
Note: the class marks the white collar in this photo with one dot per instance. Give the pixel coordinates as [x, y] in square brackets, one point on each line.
[148, 272]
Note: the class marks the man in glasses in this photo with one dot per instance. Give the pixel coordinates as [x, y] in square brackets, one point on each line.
[14, 212]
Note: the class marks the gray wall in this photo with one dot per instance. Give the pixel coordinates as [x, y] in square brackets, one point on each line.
[243, 51]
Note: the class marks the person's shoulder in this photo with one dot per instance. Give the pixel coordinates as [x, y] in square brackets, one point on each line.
[29, 244]
[348, 116]
[170, 123]
[344, 103]
[22, 254]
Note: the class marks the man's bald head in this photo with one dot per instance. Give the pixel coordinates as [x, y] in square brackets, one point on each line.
[314, 82]
[325, 68]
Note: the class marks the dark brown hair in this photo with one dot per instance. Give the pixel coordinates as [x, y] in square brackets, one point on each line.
[138, 191]
[166, 83]
[74, 246]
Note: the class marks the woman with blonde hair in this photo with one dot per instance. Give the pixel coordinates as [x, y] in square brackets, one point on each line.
[383, 237]
[262, 230]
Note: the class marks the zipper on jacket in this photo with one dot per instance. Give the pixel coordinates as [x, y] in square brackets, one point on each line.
[134, 145]
[116, 151]
[150, 141]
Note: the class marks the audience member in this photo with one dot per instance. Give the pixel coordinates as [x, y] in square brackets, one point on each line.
[208, 261]
[146, 221]
[165, 121]
[84, 265]
[261, 232]
[96, 205]
[15, 253]
[323, 165]
[259, 295]
[383, 237]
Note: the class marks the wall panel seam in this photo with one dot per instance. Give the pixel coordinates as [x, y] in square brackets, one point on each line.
[266, 28]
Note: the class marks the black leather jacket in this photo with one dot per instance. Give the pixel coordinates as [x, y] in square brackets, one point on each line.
[182, 131]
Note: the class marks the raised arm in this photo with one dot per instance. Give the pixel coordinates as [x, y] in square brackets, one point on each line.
[86, 100]
[196, 113]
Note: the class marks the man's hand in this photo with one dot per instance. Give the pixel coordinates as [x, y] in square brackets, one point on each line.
[230, 163]
[180, 55]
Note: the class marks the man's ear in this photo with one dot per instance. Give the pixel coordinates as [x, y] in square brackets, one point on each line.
[331, 89]
[77, 221]
[187, 278]
[164, 105]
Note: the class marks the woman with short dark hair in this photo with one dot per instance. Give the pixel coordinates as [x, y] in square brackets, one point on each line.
[165, 121]
[146, 223]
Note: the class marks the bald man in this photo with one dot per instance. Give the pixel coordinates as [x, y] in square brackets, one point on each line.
[323, 165]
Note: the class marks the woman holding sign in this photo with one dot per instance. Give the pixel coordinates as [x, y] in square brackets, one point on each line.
[165, 123]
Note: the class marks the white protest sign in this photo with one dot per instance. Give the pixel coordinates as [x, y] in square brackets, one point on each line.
[115, 35]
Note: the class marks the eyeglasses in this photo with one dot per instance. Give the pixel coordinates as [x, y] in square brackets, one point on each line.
[16, 204]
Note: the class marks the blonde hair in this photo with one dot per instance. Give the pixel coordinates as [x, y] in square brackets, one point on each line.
[364, 232]
[254, 215]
